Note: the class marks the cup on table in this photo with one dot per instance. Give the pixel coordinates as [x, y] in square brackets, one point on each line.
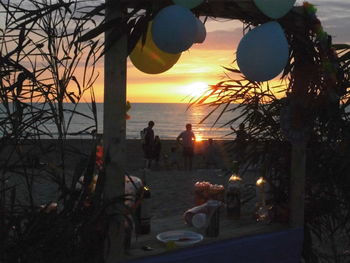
[213, 228]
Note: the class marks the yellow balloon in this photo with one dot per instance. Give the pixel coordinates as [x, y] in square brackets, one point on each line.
[148, 58]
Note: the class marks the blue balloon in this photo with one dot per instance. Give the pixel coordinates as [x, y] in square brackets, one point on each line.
[174, 29]
[263, 52]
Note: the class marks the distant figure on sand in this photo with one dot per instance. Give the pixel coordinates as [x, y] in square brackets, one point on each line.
[240, 143]
[186, 139]
[172, 160]
[147, 136]
[211, 155]
[157, 148]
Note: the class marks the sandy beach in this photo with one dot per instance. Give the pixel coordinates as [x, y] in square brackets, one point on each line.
[166, 182]
[46, 151]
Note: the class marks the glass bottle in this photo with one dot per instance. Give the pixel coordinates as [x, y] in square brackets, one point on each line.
[233, 196]
[143, 213]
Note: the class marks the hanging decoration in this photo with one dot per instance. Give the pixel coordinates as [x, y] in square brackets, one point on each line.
[149, 59]
[316, 23]
[174, 29]
[188, 3]
[328, 55]
[201, 32]
[329, 99]
[263, 52]
[275, 8]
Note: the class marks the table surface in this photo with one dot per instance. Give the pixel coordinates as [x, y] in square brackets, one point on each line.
[229, 229]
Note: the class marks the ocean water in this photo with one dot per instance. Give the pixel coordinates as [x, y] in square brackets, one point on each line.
[170, 119]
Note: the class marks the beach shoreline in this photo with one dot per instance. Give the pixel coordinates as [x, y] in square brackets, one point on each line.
[47, 151]
[165, 181]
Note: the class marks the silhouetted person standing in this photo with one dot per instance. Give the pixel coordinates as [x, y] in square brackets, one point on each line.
[186, 139]
[148, 144]
[211, 155]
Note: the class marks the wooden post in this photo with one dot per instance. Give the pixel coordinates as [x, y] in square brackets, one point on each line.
[297, 185]
[300, 99]
[114, 129]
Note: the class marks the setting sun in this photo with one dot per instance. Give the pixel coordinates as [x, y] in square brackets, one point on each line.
[196, 89]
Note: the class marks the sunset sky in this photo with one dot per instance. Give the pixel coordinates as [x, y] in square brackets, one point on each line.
[202, 63]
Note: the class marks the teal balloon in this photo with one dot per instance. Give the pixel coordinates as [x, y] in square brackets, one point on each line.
[274, 8]
[174, 29]
[188, 3]
[263, 52]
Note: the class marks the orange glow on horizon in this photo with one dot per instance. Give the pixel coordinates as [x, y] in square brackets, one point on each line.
[199, 138]
[200, 66]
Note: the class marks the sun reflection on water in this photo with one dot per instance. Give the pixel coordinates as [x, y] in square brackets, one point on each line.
[199, 138]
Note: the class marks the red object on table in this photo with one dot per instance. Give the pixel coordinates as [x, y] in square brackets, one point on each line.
[204, 191]
[201, 192]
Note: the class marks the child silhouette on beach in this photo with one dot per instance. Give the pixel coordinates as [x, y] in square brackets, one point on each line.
[173, 160]
[157, 148]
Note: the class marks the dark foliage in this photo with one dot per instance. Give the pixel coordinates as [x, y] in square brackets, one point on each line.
[45, 74]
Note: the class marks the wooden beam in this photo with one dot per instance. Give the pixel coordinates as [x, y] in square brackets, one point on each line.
[114, 130]
[234, 9]
[244, 10]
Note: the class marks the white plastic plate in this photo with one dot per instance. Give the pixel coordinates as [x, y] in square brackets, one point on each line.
[180, 237]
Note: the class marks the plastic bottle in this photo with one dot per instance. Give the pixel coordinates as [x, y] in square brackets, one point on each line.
[145, 213]
[213, 228]
[197, 216]
[198, 220]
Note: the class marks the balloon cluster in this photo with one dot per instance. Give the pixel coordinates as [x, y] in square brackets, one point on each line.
[263, 52]
[173, 30]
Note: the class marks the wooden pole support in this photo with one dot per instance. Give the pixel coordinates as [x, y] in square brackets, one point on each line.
[114, 130]
[297, 185]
